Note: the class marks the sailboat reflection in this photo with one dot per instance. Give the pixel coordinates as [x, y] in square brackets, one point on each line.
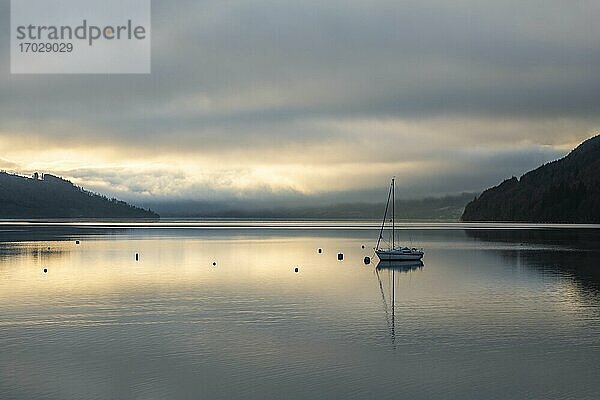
[392, 267]
[401, 266]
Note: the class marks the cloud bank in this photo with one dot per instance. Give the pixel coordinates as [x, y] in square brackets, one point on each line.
[261, 99]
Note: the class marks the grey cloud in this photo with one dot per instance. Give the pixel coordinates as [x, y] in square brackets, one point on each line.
[459, 171]
[382, 58]
[273, 76]
[6, 165]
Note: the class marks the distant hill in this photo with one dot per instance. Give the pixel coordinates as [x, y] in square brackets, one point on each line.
[440, 208]
[54, 197]
[567, 190]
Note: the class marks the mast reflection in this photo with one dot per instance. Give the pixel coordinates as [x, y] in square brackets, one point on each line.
[392, 267]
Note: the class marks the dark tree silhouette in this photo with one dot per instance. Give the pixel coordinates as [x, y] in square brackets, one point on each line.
[566, 190]
[54, 197]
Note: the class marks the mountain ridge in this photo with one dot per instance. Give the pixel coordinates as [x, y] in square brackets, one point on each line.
[49, 196]
[563, 191]
[448, 208]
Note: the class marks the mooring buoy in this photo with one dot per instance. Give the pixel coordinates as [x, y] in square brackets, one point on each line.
[296, 269]
[367, 260]
[340, 256]
[45, 270]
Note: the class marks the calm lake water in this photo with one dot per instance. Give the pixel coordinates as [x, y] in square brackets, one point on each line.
[496, 312]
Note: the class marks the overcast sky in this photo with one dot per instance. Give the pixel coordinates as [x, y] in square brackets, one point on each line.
[283, 98]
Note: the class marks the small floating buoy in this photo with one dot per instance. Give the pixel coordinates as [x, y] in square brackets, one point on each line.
[367, 260]
[296, 269]
[137, 256]
[214, 264]
[363, 246]
[77, 242]
[48, 247]
[340, 256]
[320, 251]
[45, 270]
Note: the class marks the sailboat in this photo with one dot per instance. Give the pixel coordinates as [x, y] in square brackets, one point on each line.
[395, 253]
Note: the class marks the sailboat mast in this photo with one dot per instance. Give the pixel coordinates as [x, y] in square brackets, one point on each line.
[393, 211]
[387, 204]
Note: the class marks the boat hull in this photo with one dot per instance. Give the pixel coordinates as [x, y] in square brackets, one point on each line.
[392, 255]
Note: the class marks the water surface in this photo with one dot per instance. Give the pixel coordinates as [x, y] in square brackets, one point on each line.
[497, 311]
